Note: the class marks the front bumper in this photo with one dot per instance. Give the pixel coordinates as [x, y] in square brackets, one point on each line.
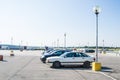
[49, 63]
[43, 59]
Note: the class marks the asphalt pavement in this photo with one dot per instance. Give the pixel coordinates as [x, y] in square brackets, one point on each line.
[26, 65]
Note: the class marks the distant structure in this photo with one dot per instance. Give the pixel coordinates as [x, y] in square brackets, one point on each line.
[17, 47]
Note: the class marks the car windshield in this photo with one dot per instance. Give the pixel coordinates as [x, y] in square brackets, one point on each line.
[64, 54]
[52, 51]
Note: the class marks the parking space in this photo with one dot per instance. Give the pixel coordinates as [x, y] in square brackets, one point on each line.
[111, 65]
[31, 68]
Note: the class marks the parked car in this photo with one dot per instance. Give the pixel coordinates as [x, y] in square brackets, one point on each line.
[70, 58]
[90, 51]
[47, 52]
[54, 53]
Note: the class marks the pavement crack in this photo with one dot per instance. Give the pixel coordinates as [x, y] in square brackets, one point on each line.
[79, 74]
[21, 68]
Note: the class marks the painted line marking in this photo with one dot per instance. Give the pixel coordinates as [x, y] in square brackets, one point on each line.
[103, 74]
[108, 76]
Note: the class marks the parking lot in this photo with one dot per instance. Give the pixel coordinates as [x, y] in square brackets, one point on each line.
[26, 65]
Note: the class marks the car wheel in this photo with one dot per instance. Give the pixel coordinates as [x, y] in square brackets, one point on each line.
[86, 64]
[56, 64]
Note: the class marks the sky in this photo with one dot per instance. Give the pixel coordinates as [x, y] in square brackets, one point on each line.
[44, 22]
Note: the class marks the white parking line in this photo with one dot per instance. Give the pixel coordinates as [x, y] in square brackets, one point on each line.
[108, 76]
[103, 73]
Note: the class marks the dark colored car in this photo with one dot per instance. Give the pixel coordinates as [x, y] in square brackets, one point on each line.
[90, 51]
[47, 52]
[54, 53]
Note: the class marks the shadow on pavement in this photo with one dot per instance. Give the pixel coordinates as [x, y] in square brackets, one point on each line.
[103, 68]
[73, 67]
[4, 61]
[106, 69]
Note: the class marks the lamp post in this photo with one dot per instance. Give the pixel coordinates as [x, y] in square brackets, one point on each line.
[65, 40]
[96, 11]
[103, 45]
[11, 40]
[57, 43]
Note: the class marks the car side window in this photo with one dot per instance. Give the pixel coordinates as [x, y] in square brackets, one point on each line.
[70, 55]
[78, 55]
[84, 55]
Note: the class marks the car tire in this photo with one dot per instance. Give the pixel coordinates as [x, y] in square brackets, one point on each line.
[86, 64]
[56, 64]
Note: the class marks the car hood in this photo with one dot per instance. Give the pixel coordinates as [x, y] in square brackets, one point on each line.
[54, 57]
[46, 53]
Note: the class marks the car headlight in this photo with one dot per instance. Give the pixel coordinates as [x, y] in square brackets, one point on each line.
[42, 56]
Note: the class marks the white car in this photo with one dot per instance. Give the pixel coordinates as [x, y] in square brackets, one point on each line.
[70, 58]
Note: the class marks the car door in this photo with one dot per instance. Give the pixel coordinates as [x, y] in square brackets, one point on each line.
[78, 58]
[85, 57]
[69, 59]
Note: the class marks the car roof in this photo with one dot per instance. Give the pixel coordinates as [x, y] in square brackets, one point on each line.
[73, 52]
[60, 50]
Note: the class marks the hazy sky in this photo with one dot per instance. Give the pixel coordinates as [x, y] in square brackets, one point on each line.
[44, 22]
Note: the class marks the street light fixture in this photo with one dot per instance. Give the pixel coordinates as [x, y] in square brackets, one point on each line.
[96, 11]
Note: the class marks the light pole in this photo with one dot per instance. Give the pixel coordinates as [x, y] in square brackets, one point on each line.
[96, 11]
[65, 40]
[11, 40]
[103, 45]
[57, 43]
